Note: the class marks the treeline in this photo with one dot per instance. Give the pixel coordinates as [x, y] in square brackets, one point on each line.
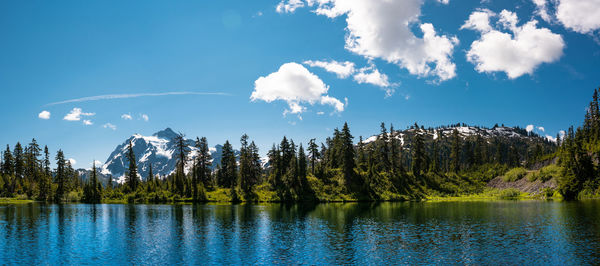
[579, 155]
[396, 165]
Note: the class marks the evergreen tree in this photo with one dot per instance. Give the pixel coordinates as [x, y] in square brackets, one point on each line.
[228, 173]
[348, 157]
[249, 173]
[313, 151]
[455, 151]
[182, 150]
[204, 162]
[132, 177]
[19, 162]
[382, 149]
[393, 150]
[92, 191]
[418, 149]
[8, 167]
[45, 186]
[61, 176]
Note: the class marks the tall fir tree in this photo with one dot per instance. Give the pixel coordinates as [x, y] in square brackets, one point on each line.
[132, 177]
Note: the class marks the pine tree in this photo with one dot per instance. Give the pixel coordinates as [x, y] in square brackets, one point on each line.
[228, 167]
[248, 174]
[132, 178]
[393, 151]
[150, 180]
[204, 162]
[382, 149]
[8, 167]
[455, 151]
[418, 149]
[19, 162]
[361, 154]
[348, 157]
[60, 176]
[182, 150]
[313, 151]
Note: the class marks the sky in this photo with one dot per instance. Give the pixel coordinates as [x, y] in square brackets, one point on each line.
[83, 76]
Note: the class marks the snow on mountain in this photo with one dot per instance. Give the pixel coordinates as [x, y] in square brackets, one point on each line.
[464, 131]
[158, 150]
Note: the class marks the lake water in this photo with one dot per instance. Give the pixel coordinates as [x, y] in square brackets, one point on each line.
[502, 232]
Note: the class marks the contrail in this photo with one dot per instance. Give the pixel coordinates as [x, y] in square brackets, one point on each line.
[136, 95]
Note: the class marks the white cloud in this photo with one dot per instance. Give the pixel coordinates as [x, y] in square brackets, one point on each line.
[371, 75]
[341, 69]
[582, 16]
[383, 29]
[145, 117]
[294, 84]
[289, 6]
[126, 116]
[542, 9]
[529, 128]
[109, 125]
[320, 113]
[87, 122]
[72, 161]
[550, 138]
[541, 129]
[445, 2]
[516, 53]
[44, 115]
[76, 114]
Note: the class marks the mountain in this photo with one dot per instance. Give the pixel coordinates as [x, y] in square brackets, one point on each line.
[158, 150]
[517, 137]
[496, 132]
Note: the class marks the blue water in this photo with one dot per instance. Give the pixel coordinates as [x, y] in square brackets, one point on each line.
[505, 232]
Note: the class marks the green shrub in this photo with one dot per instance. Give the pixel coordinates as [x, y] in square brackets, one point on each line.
[514, 174]
[549, 172]
[532, 176]
[547, 192]
[509, 193]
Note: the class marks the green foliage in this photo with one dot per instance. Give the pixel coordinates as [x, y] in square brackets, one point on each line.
[510, 193]
[514, 174]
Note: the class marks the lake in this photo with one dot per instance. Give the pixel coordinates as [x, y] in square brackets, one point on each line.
[494, 232]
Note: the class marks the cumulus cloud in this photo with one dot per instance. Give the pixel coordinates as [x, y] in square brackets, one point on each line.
[110, 126]
[44, 115]
[529, 128]
[341, 69]
[516, 53]
[295, 85]
[126, 116]
[582, 16]
[87, 122]
[371, 75]
[76, 114]
[72, 161]
[145, 117]
[445, 2]
[383, 29]
[541, 129]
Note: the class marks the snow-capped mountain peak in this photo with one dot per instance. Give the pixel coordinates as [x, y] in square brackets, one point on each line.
[157, 150]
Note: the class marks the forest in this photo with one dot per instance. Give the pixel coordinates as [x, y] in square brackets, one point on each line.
[395, 166]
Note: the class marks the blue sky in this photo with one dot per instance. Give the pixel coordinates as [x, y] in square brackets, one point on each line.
[56, 51]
